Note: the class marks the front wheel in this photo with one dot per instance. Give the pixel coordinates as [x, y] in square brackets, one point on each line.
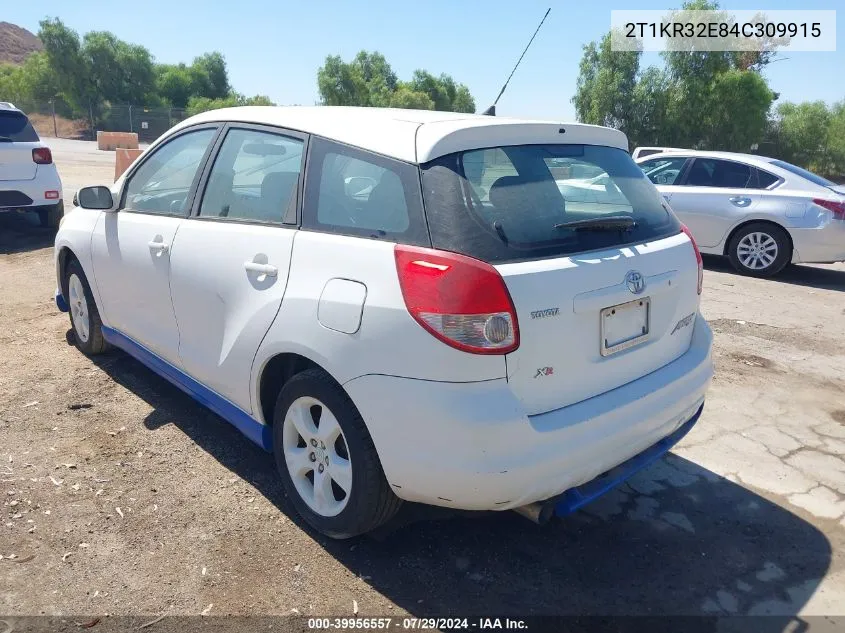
[760, 249]
[49, 217]
[326, 458]
[84, 316]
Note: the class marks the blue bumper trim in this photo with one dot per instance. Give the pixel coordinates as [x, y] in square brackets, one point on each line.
[575, 498]
[259, 433]
[61, 304]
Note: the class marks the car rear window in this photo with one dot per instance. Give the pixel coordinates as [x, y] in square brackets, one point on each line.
[15, 127]
[502, 204]
[813, 178]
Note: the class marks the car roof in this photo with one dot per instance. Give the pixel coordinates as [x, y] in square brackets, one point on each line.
[5, 105]
[415, 136]
[751, 159]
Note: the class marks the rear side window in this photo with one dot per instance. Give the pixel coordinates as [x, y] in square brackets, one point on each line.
[765, 179]
[354, 192]
[710, 172]
[15, 127]
[507, 203]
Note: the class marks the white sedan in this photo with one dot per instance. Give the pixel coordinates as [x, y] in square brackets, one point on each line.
[760, 212]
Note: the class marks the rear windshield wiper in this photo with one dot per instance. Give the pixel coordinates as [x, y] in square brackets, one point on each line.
[609, 223]
[5, 139]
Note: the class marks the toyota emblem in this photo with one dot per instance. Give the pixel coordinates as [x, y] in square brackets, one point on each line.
[635, 281]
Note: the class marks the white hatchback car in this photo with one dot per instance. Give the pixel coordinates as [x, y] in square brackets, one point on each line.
[760, 212]
[401, 305]
[29, 180]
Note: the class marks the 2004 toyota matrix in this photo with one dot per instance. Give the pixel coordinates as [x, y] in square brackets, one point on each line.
[402, 305]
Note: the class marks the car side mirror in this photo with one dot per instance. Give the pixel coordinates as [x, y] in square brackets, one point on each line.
[94, 198]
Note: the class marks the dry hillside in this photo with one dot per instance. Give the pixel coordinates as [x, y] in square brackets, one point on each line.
[16, 43]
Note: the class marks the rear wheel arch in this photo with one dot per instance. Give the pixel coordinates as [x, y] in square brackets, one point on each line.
[277, 371]
[66, 255]
[739, 227]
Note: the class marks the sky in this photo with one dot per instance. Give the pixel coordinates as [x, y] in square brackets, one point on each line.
[275, 47]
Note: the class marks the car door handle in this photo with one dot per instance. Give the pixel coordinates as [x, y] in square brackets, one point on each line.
[740, 201]
[161, 247]
[261, 269]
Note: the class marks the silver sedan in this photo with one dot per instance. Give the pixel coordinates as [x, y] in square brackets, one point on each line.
[760, 212]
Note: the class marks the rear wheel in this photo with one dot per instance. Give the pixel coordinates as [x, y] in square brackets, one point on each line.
[326, 458]
[50, 216]
[84, 316]
[760, 249]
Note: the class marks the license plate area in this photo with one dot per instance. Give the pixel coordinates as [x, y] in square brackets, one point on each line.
[625, 325]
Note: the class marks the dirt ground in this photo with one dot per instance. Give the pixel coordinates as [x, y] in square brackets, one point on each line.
[121, 495]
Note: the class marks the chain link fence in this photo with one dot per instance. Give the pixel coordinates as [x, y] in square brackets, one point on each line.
[57, 119]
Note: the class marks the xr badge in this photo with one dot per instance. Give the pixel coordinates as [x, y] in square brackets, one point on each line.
[544, 371]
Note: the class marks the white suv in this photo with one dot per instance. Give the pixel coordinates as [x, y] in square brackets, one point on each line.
[29, 180]
[402, 305]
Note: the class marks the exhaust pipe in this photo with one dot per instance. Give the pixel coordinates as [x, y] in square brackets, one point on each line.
[539, 512]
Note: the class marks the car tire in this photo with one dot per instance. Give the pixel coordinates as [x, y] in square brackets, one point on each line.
[760, 249]
[50, 216]
[301, 434]
[84, 316]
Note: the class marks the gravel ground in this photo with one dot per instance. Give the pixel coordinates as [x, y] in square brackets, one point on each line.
[122, 496]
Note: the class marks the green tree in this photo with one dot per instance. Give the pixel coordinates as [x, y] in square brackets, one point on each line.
[174, 83]
[738, 105]
[232, 100]
[210, 76]
[341, 84]
[804, 131]
[368, 80]
[605, 86]
[120, 72]
[408, 98]
[69, 63]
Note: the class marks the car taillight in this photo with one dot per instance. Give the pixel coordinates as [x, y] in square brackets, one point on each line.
[460, 300]
[42, 156]
[838, 208]
[698, 259]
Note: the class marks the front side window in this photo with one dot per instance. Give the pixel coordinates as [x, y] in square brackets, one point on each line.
[354, 192]
[162, 184]
[254, 177]
[663, 171]
[710, 172]
[520, 202]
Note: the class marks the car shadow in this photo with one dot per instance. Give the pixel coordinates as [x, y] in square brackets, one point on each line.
[676, 539]
[20, 232]
[821, 277]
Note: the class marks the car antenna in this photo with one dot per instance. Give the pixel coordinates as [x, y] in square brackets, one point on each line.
[491, 111]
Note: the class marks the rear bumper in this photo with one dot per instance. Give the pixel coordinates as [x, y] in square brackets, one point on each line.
[470, 445]
[46, 179]
[823, 245]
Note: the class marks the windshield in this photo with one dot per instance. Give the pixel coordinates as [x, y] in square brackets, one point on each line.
[520, 202]
[813, 178]
[14, 126]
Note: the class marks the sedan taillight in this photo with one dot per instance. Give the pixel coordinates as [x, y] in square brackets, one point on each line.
[838, 208]
[698, 258]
